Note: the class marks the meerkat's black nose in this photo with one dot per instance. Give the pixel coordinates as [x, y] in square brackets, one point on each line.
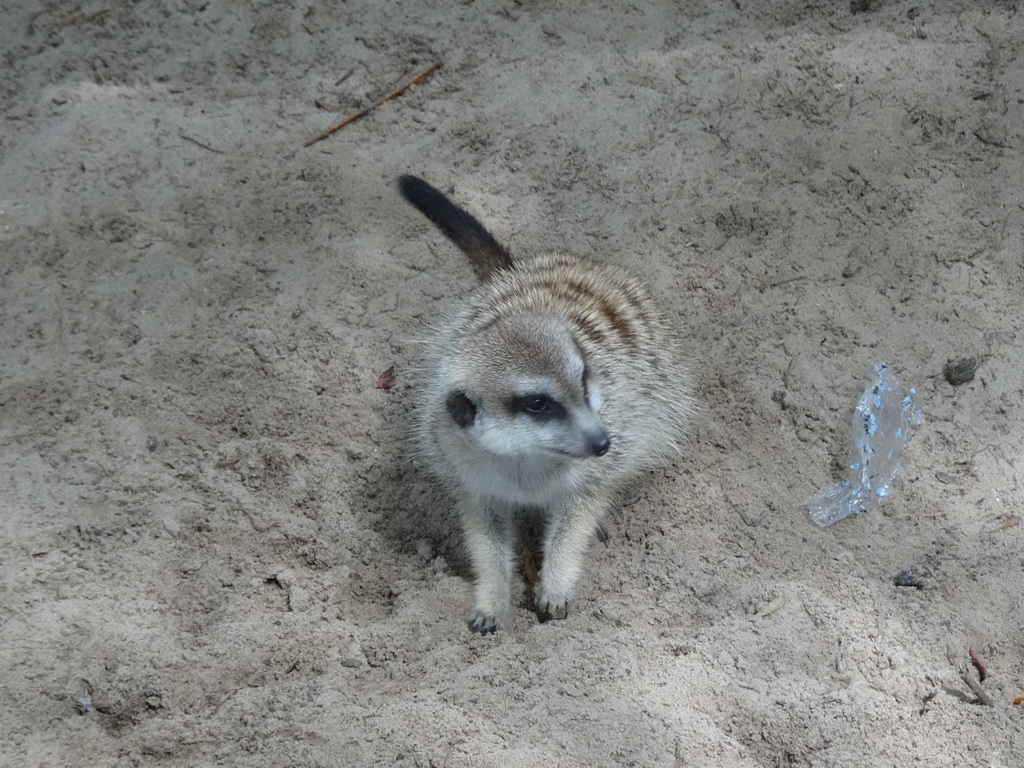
[600, 444]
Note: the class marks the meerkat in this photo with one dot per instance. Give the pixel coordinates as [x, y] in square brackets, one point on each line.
[548, 390]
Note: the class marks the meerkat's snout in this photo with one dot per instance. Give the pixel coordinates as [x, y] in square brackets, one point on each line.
[600, 444]
[590, 435]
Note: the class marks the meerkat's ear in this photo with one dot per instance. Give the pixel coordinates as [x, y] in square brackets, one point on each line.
[461, 408]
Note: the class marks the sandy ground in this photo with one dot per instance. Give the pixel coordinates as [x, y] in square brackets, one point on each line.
[210, 526]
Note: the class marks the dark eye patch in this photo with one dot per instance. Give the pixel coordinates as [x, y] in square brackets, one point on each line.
[460, 408]
[540, 407]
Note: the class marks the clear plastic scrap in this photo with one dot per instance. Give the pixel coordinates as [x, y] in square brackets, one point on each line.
[883, 423]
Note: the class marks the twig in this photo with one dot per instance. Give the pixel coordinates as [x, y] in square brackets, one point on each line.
[369, 109]
[979, 664]
[200, 144]
[783, 281]
[345, 77]
[990, 141]
[977, 690]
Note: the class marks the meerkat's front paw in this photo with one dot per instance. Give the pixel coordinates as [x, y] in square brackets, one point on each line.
[551, 605]
[557, 585]
[548, 610]
[482, 622]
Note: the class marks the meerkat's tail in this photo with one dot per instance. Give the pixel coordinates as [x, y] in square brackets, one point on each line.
[486, 254]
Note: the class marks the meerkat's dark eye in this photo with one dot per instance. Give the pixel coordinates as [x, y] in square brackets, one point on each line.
[540, 407]
[536, 404]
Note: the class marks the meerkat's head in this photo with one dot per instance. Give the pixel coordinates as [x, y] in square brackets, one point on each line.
[521, 387]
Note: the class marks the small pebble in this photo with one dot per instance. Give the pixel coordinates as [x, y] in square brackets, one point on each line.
[961, 371]
[284, 578]
[424, 549]
[299, 599]
[912, 577]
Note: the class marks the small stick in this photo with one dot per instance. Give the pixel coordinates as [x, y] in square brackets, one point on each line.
[369, 109]
[977, 690]
[200, 144]
[990, 141]
[785, 280]
[979, 664]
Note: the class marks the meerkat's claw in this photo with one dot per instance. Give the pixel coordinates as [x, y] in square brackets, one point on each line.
[548, 611]
[482, 624]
